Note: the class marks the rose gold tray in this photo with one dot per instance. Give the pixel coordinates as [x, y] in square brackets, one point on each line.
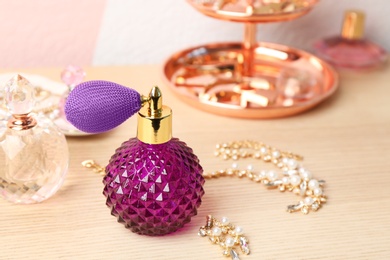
[231, 80]
[253, 11]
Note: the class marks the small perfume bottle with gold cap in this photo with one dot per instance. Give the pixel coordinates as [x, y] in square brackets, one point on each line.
[153, 182]
[351, 50]
[33, 153]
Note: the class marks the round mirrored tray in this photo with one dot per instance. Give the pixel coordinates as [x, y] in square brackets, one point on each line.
[250, 79]
[279, 81]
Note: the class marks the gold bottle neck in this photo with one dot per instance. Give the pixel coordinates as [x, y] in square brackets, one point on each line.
[154, 120]
[353, 25]
[21, 122]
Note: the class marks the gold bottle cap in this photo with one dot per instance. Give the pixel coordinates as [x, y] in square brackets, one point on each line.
[353, 25]
[154, 120]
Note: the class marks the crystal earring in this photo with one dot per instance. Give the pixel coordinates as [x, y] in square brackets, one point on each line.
[226, 235]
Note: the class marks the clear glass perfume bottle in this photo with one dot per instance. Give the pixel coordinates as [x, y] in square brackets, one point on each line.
[33, 153]
[71, 76]
[351, 50]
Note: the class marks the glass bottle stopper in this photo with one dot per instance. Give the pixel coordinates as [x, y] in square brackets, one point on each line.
[19, 99]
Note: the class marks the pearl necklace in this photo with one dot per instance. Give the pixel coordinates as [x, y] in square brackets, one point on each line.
[294, 178]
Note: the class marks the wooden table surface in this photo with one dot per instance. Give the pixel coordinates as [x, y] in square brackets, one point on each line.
[345, 141]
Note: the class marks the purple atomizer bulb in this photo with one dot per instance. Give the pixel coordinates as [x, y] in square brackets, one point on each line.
[153, 182]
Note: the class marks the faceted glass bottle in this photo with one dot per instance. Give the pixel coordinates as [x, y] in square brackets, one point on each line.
[33, 153]
[351, 50]
[154, 182]
[71, 76]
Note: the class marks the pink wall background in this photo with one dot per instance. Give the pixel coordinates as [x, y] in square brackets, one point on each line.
[44, 33]
[48, 32]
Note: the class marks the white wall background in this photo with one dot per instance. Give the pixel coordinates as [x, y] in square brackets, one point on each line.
[149, 31]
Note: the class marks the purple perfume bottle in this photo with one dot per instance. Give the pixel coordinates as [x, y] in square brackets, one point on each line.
[153, 182]
[351, 50]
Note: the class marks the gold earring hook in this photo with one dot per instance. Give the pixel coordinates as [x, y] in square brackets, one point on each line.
[91, 164]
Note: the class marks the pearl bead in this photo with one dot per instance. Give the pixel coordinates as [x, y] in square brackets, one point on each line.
[295, 180]
[263, 174]
[305, 174]
[225, 221]
[272, 175]
[286, 180]
[292, 164]
[217, 231]
[313, 184]
[317, 192]
[285, 160]
[275, 154]
[239, 230]
[229, 242]
[308, 201]
[263, 150]
[250, 167]
[235, 165]
[291, 172]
